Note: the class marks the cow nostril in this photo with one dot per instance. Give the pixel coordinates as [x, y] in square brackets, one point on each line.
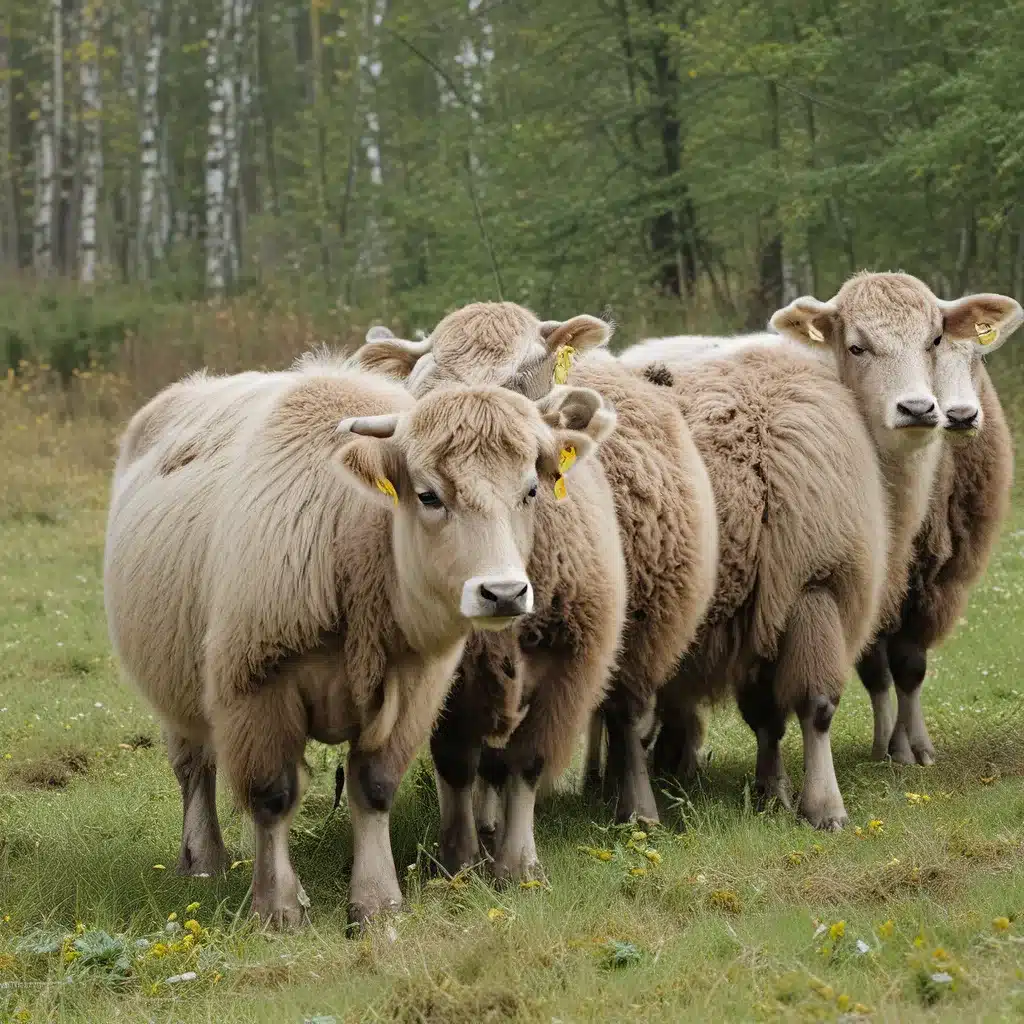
[497, 592]
[962, 415]
[916, 407]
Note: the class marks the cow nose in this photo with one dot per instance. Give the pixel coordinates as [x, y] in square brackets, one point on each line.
[496, 597]
[916, 408]
[962, 417]
[505, 594]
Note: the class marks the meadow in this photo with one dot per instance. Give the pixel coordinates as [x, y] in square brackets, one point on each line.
[914, 913]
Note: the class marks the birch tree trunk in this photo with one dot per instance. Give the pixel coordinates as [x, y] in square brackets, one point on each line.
[92, 151]
[149, 246]
[125, 197]
[42, 229]
[9, 233]
[53, 203]
[216, 155]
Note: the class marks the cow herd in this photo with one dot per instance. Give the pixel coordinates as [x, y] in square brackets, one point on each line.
[504, 537]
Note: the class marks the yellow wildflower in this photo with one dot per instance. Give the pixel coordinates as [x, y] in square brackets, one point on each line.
[638, 872]
[79, 928]
[653, 856]
[858, 831]
[885, 929]
[861, 1008]
[495, 914]
[726, 899]
[159, 867]
[919, 939]
[876, 826]
[837, 931]
[939, 954]
[638, 837]
[187, 942]
[158, 949]
[597, 853]
[217, 977]
[192, 908]
[795, 857]
[530, 883]
[817, 848]
[70, 955]
[1001, 923]
[172, 916]
[843, 1002]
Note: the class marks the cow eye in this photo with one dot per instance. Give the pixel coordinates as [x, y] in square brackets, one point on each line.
[856, 350]
[429, 499]
[937, 341]
[531, 493]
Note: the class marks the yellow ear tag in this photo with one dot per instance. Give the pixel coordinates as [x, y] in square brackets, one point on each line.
[385, 486]
[566, 458]
[986, 333]
[563, 363]
[815, 334]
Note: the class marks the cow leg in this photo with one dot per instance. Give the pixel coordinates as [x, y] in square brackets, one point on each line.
[455, 748]
[371, 790]
[277, 895]
[875, 674]
[756, 701]
[202, 847]
[516, 859]
[910, 740]
[628, 722]
[809, 678]
[592, 770]
[488, 803]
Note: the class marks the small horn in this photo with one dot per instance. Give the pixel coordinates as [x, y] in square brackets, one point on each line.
[370, 426]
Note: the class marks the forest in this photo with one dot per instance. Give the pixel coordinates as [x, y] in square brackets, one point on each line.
[666, 162]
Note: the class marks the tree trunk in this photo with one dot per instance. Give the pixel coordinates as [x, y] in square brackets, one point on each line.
[674, 230]
[92, 152]
[221, 97]
[9, 233]
[42, 242]
[125, 202]
[148, 242]
[772, 276]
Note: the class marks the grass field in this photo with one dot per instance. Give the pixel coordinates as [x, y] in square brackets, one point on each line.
[915, 912]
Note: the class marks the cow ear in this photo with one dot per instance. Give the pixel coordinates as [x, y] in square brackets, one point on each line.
[807, 320]
[987, 319]
[392, 357]
[581, 409]
[582, 332]
[372, 460]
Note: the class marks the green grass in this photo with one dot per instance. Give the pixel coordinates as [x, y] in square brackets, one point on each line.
[728, 926]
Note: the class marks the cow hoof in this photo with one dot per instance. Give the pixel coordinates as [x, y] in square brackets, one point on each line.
[279, 917]
[204, 864]
[360, 913]
[827, 818]
[775, 789]
[525, 869]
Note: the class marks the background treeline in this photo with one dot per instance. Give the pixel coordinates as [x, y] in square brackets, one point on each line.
[675, 164]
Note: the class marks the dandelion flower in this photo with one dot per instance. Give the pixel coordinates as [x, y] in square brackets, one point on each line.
[495, 914]
[843, 1002]
[1001, 923]
[837, 931]
[876, 826]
